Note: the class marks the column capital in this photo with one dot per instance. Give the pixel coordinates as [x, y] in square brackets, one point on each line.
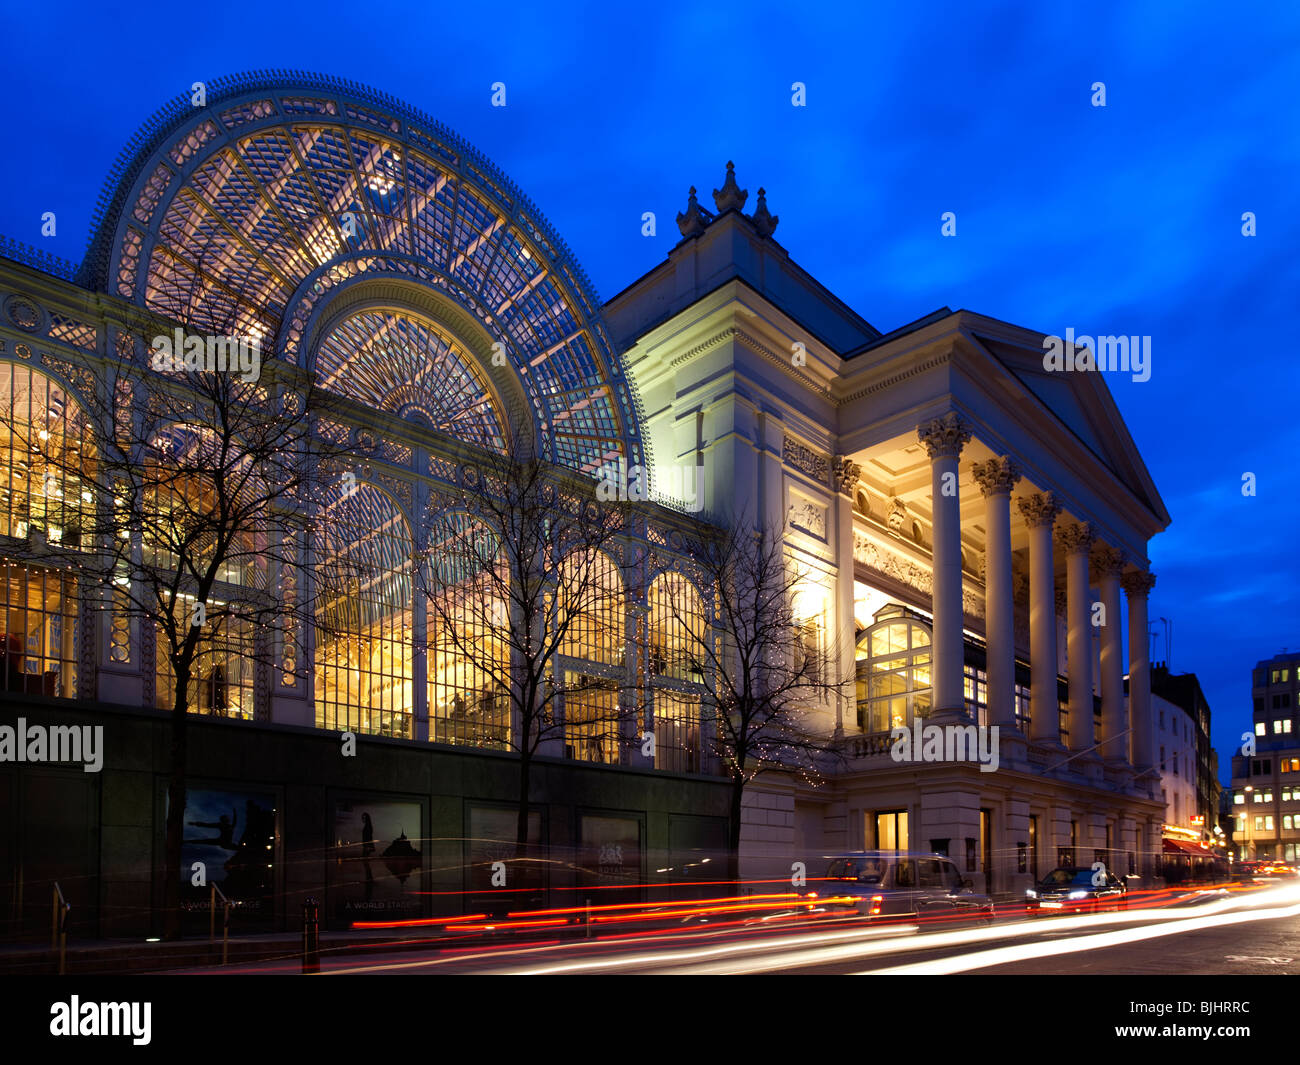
[1137, 583]
[944, 437]
[846, 474]
[1040, 508]
[1076, 537]
[998, 475]
[1107, 561]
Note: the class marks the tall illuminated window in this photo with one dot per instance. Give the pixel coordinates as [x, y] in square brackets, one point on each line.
[47, 469]
[593, 607]
[181, 522]
[38, 643]
[221, 677]
[47, 459]
[363, 676]
[677, 630]
[468, 637]
[893, 671]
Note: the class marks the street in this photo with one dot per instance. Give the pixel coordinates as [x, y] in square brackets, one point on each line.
[1250, 931]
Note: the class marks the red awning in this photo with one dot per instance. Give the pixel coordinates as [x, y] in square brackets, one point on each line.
[1178, 846]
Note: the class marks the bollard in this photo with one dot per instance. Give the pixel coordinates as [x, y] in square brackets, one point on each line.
[310, 937]
[589, 918]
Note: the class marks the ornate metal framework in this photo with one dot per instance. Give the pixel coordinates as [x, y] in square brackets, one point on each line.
[241, 215]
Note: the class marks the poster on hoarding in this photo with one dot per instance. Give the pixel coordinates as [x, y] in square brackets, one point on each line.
[229, 840]
[378, 858]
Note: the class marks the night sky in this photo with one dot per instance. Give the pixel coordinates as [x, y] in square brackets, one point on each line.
[1117, 220]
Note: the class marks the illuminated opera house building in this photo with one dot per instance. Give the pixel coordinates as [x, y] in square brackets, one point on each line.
[973, 529]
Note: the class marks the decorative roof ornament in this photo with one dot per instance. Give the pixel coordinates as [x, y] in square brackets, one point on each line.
[730, 195]
[695, 218]
[764, 222]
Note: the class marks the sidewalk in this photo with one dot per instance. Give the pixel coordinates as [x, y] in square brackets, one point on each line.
[112, 957]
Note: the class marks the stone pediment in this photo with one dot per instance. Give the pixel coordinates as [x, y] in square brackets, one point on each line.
[1081, 401]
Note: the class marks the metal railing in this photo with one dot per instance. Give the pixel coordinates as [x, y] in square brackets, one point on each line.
[225, 921]
[59, 927]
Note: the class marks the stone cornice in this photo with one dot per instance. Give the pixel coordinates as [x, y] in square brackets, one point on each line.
[733, 332]
[896, 378]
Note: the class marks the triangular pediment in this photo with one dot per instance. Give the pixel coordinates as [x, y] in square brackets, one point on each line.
[1082, 402]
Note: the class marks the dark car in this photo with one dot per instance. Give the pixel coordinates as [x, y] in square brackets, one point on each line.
[1069, 889]
[889, 885]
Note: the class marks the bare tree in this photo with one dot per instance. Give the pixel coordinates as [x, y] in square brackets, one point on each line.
[526, 602]
[183, 494]
[764, 665]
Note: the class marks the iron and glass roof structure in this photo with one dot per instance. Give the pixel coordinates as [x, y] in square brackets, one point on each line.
[252, 215]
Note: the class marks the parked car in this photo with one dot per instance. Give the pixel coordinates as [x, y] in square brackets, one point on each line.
[1069, 889]
[893, 885]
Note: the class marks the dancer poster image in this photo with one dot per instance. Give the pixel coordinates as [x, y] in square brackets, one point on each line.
[378, 858]
[229, 840]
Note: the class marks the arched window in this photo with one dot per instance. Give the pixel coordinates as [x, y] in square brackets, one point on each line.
[677, 628]
[405, 364]
[47, 477]
[363, 615]
[677, 631]
[893, 671]
[593, 607]
[591, 604]
[468, 635]
[47, 454]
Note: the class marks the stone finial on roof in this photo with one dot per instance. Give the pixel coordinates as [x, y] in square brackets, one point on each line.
[764, 222]
[730, 195]
[694, 218]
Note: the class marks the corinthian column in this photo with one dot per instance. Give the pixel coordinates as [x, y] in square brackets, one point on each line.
[1137, 585]
[996, 478]
[943, 439]
[1107, 562]
[846, 477]
[1040, 510]
[1076, 541]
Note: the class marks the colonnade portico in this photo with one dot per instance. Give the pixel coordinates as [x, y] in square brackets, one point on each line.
[944, 438]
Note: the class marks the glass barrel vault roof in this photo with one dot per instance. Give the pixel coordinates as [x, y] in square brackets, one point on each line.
[244, 214]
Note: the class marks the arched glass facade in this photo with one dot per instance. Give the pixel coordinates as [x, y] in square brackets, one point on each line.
[401, 283]
[247, 216]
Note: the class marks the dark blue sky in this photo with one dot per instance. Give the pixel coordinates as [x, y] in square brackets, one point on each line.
[1117, 220]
